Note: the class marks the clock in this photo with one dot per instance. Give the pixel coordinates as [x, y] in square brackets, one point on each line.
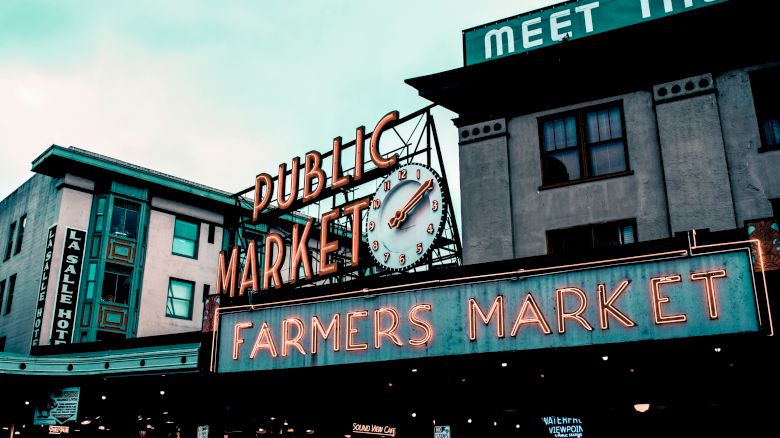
[405, 217]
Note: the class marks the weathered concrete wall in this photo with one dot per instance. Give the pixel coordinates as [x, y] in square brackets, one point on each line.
[754, 176]
[38, 199]
[485, 200]
[161, 265]
[695, 169]
[639, 196]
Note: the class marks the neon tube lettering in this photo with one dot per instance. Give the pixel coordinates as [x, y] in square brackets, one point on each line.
[709, 286]
[272, 270]
[496, 309]
[285, 204]
[312, 165]
[376, 156]
[355, 210]
[326, 246]
[294, 341]
[658, 300]
[388, 332]
[420, 323]
[334, 327]
[264, 341]
[262, 180]
[300, 252]
[337, 180]
[226, 275]
[529, 304]
[237, 339]
[352, 331]
[563, 315]
[606, 306]
[250, 268]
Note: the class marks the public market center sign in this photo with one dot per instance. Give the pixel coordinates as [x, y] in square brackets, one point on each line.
[700, 295]
[567, 21]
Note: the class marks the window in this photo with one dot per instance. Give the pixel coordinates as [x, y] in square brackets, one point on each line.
[583, 144]
[2, 294]
[11, 286]
[212, 229]
[116, 284]
[10, 245]
[185, 238]
[766, 95]
[179, 303]
[20, 235]
[124, 219]
[2, 343]
[582, 239]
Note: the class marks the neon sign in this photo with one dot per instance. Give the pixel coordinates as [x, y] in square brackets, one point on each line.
[313, 180]
[680, 297]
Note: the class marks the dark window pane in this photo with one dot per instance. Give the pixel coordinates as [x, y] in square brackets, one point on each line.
[604, 131]
[772, 132]
[2, 294]
[560, 134]
[549, 136]
[592, 123]
[562, 166]
[11, 287]
[10, 245]
[124, 219]
[615, 125]
[571, 131]
[20, 235]
[212, 229]
[607, 158]
[570, 240]
[116, 284]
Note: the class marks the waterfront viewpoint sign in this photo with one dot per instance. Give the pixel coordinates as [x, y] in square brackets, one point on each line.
[679, 297]
[568, 21]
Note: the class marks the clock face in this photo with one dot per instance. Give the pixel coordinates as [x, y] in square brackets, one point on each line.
[405, 217]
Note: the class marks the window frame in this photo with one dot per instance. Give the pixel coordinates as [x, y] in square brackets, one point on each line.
[762, 88]
[169, 297]
[10, 244]
[592, 228]
[10, 300]
[582, 146]
[20, 234]
[2, 295]
[197, 237]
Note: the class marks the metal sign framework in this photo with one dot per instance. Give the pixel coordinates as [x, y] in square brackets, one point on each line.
[415, 140]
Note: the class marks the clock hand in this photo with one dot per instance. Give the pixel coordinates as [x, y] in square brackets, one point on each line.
[402, 214]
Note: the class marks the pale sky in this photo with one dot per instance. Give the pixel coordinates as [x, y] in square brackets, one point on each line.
[217, 92]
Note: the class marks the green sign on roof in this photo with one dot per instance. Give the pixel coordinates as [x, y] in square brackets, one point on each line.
[566, 21]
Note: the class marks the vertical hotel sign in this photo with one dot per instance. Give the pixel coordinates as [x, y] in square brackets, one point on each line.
[68, 286]
[36, 338]
[563, 22]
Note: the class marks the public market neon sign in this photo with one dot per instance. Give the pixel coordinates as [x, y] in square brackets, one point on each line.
[313, 181]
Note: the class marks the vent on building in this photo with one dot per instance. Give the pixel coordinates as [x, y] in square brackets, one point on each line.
[683, 87]
[481, 131]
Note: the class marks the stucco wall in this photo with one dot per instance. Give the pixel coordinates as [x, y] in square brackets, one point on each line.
[161, 265]
[44, 205]
[753, 175]
[639, 196]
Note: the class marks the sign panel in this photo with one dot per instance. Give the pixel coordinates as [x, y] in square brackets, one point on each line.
[59, 407]
[56, 430]
[568, 21]
[68, 286]
[41, 304]
[564, 427]
[441, 432]
[673, 298]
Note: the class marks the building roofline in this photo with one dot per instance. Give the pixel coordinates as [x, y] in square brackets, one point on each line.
[55, 161]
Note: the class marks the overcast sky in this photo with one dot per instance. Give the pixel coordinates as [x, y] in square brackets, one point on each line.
[217, 92]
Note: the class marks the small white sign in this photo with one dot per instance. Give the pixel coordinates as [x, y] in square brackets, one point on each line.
[56, 430]
[441, 432]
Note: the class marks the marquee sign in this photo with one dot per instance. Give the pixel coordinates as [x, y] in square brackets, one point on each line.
[680, 297]
[567, 21]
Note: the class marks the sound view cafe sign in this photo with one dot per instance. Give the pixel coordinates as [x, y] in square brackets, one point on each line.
[567, 21]
[677, 297]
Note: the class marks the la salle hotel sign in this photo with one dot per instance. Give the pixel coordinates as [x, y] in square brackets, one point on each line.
[700, 295]
[567, 21]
